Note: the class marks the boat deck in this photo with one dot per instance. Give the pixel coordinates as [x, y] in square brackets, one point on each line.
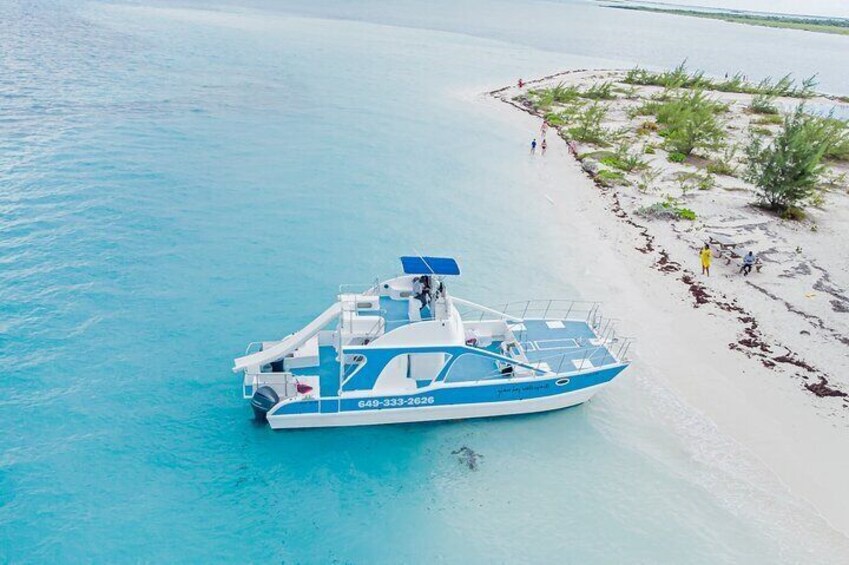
[563, 345]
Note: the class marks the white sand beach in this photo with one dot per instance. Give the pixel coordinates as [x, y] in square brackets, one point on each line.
[739, 350]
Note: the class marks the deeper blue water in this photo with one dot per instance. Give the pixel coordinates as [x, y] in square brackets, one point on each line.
[177, 181]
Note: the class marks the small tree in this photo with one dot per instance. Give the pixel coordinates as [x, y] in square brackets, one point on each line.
[786, 171]
[588, 125]
[690, 123]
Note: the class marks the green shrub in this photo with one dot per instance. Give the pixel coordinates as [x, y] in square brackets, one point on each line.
[837, 132]
[610, 178]
[680, 77]
[721, 168]
[556, 119]
[690, 122]
[763, 103]
[588, 126]
[686, 214]
[624, 160]
[600, 91]
[676, 157]
[669, 210]
[559, 94]
[786, 171]
[649, 150]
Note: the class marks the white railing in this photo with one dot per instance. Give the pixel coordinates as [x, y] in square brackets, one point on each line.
[553, 309]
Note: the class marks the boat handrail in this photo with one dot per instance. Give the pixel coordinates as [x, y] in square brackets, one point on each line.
[554, 308]
[360, 288]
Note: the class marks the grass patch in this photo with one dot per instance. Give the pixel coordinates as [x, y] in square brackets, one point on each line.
[760, 131]
[611, 178]
[769, 120]
[667, 210]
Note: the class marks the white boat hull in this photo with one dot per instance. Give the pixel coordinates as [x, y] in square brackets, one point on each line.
[434, 413]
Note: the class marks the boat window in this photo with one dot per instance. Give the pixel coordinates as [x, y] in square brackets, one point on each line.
[425, 366]
[471, 367]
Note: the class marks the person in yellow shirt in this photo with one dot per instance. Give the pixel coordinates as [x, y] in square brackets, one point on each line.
[705, 256]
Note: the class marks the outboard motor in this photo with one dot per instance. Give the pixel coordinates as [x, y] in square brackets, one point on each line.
[264, 400]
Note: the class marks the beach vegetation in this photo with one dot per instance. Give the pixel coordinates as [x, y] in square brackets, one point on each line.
[769, 120]
[649, 149]
[676, 157]
[787, 170]
[630, 93]
[689, 181]
[599, 91]
[623, 160]
[647, 127]
[689, 122]
[761, 131]
[725, 164]
[647, 178]
[611, 178]
[558, 94]
[555, 119]
[681, 77]
[588, 126]
[763, 103]
[833, 179]
[837, 132]
[669, 209]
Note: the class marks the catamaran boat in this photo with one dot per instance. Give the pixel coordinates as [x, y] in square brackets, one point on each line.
[406, 350]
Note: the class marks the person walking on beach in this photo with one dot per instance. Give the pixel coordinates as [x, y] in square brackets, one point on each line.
[534, 146]
[543, 146]
[543, 128]
[748, 263]
[705, 256]
[521, 83]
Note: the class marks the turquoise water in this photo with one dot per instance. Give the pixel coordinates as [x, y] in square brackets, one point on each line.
[177, 182]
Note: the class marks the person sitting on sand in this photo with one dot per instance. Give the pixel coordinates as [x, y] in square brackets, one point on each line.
[748, 263]
[534, 146]
[705, 256]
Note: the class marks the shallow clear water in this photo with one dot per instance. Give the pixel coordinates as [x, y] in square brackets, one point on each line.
[176, 182]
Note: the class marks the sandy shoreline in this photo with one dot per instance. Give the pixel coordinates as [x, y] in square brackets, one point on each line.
[739, 351]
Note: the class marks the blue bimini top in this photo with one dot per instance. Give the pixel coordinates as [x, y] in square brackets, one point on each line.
[430, 266]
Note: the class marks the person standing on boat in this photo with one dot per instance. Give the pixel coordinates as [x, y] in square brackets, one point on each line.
[419, 291]
[425, 296]
[706, 256]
